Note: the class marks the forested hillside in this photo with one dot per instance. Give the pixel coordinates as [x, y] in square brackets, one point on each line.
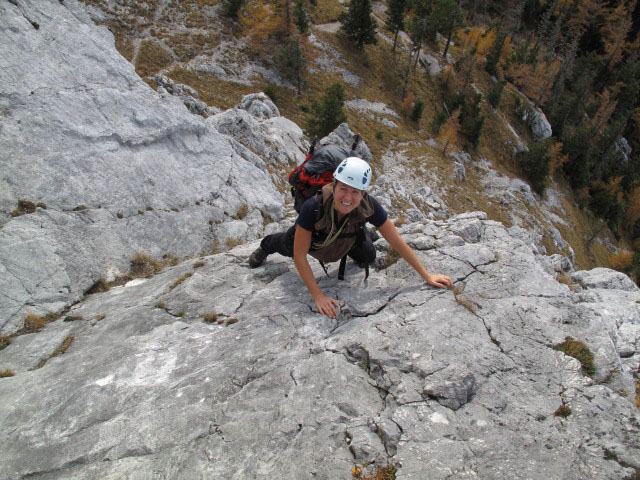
[496, 62]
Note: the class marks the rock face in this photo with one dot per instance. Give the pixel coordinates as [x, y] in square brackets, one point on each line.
[440, 384]
[120, 168]
[537, 121]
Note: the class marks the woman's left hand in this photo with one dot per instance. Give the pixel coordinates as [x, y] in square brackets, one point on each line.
[441, 281]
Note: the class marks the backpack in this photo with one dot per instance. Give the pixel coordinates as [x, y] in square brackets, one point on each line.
[317, 170]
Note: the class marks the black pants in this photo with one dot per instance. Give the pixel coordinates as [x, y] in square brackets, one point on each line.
[363, 253]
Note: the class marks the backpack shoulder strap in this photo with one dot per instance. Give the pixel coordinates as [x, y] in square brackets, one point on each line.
[318, 210]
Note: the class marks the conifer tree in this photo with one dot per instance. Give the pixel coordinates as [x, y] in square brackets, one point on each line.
[291, 61]
[328, 114]
[447, 16]
[301, 17]
[358, 24]
[231, 8]
[395, 18]
[493, 57]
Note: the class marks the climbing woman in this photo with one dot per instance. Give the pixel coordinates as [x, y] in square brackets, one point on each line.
[330, 226]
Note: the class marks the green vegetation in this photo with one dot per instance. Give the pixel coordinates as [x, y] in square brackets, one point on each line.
[580, 352]
[328, 114]
[564, 411]
[24, 207]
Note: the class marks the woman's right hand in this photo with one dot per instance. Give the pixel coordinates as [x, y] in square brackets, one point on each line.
[326, 305]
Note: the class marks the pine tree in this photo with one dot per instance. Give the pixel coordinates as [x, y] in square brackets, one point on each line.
[328, 114]
[301, 17]
[358, 24]
[494, 55]
[231, 8]
[447, 16]
[291, 61]
[395, 18]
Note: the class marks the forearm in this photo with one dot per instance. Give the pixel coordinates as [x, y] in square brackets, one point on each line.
[409, 256]
[306, 274]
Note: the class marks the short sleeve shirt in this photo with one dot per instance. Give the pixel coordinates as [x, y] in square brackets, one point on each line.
[307, 217]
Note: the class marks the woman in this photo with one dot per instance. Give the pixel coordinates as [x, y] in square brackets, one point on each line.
[329, 230]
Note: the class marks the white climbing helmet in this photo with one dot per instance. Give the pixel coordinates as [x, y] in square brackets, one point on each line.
[354, 172]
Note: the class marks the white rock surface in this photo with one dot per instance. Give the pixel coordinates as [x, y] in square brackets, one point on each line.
[80, 128]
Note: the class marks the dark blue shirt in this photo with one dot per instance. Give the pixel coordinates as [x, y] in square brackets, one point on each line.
[307, 217]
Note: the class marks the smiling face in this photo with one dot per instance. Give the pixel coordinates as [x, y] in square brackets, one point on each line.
[346, 198]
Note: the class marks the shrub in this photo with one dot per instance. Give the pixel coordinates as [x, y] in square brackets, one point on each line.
[271, 92]
[119, 215]
[24, 207]
[580, 352]
[564, 411]
[41, 205]
[440, 117]
[622, 261]
[379, 135]
[493, 97]
[5, 341]
[73, 318]
[6, 373]
[140, 212]
[101, 316]
[159, 305]
[80, 207]
[418, 108]
[199, 264]
[534, 165]
[231, 321]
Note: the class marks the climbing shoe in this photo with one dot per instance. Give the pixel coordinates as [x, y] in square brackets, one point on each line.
[257, 258]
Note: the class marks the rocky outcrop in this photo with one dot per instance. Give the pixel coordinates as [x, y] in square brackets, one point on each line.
[440, 384]
[537, 122]
[115, 167]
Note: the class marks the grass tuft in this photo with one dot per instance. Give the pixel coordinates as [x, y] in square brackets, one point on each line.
[62, 348]
[5, 341]
[242, 212]
[142, 265]
[580, 352]
[160, 305]
[199, 264]
[32, 323]
[210, 317]
[180, 280]
[24, 207]
[564, 411]
[6, 373]
[100, 286]
[73, 318]
[101, 316]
